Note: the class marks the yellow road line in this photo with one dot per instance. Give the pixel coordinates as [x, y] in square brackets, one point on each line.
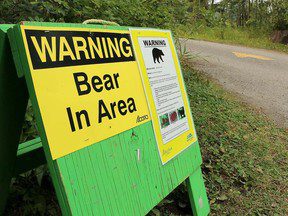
[246, 55]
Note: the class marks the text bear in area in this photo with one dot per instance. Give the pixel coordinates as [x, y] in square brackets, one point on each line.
[106, 82]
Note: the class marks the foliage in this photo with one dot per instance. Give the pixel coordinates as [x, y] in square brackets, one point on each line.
[242, 36]
[127, 12]
[280, 11]
[29, 130]
[32, 193]
[268, 15]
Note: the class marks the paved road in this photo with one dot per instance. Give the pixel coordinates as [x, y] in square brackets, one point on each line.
[259, 76]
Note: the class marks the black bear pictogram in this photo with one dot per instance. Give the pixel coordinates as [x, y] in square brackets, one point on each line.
[181, 112]
[157, 55]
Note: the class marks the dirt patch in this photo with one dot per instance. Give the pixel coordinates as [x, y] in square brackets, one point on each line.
[280, 37]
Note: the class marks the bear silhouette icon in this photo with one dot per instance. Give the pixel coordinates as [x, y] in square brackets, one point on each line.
[157, 55]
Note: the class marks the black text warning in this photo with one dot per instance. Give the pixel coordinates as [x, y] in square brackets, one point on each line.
[49, 49]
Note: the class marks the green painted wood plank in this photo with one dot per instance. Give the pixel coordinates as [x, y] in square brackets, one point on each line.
[108, 178]
[28, 146]
[197, 193]
[137, 174]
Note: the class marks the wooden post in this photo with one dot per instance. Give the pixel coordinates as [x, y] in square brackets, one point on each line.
[13, 102]
[197, 194]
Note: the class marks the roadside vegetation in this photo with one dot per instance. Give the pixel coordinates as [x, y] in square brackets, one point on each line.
[239, 36]
[245, 154]
[253, 23]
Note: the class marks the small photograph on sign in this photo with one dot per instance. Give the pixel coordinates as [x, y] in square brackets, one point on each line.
[181, 113]
[164, 120]
[173, 117]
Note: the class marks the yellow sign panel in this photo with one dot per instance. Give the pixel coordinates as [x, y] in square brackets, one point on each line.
[87, 83]
[165, 91]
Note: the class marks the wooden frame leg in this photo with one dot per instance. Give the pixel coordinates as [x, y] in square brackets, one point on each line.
[13, 100]
[197, 194]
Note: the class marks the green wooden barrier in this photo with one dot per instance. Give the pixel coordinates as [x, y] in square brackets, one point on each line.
[13, 102]
[107, 178]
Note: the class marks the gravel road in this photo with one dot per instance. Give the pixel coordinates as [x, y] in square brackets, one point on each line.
[259, 76]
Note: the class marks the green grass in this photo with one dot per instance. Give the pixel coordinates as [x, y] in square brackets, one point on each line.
[245, 154]
[239, 36]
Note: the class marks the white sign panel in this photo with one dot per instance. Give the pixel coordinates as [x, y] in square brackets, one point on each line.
[165, 87]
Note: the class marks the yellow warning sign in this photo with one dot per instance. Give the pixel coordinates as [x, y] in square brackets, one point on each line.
[87, 83]
[165, 91]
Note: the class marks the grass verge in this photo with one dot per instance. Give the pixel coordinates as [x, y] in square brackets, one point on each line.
[245, 155]
[239, 36]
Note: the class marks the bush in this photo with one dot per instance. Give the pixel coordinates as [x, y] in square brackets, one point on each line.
[153, 13]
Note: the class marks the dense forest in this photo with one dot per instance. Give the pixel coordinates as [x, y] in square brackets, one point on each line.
[268, 14]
